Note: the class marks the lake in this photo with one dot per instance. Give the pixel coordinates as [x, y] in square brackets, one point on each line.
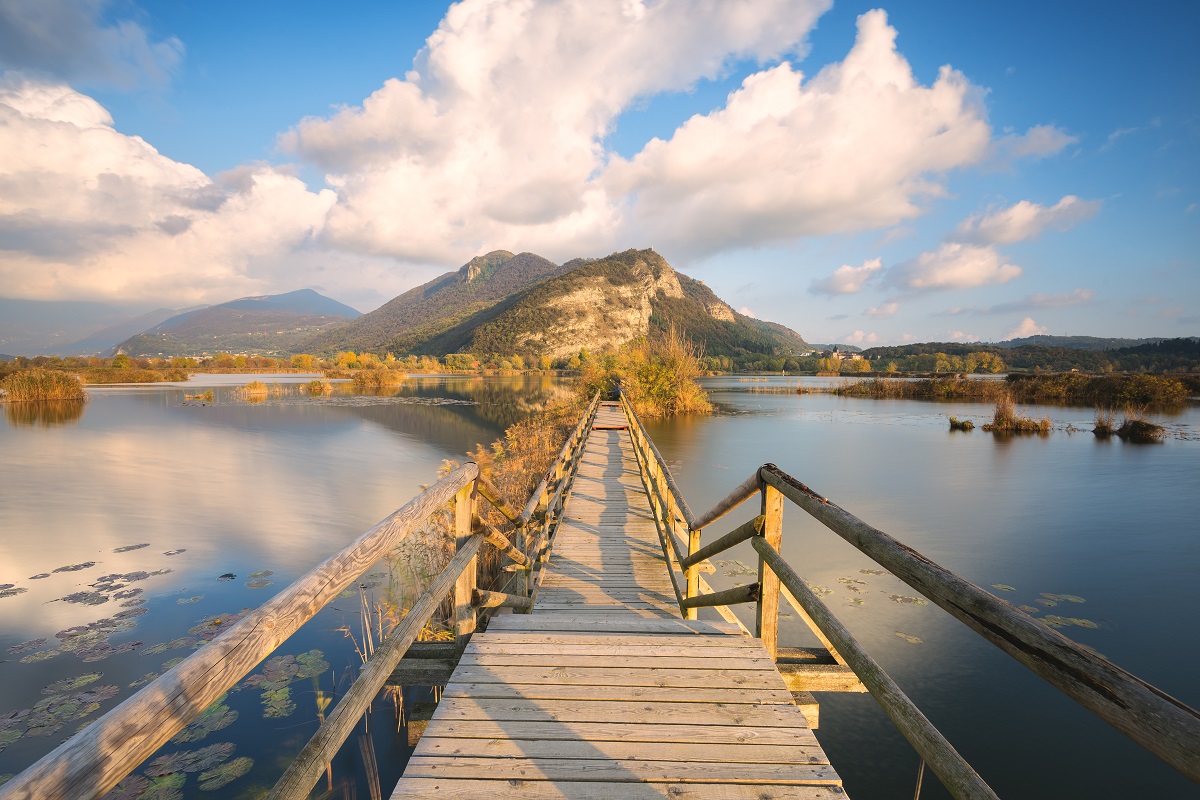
[263, 491]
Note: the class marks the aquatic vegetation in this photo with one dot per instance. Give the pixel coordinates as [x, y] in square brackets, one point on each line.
[42, 655]
[25, 647]
[142, 681]
[1030, 609]
[211, 627]
[1004, 587]
[174, 644]
[86, 598]
[214, 718]
[205, 758]
[76, 567]
[213, 779]
[1106, 424]
[258, 583]
[228, 576]
[127, 548]
[70, 684]
[1136, 428]
[908, 637]
[50, 714]
[126, 594]
[200, 397]
[318, 386]
[1055, 621]
[278, 674]
[262, 573]
[172, 664]
[908, 600]
[873, 571]
[13, 591]
[818, 590]
[1006, 420]
[183, 601]
[39, 576]
[657, 376]
[375, 378]
[175, 552]
[961, 425]
[42, 384]
[277, 703]
[131, 787]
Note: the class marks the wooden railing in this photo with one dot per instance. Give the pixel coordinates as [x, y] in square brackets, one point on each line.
[1152, 718]
[92, 762]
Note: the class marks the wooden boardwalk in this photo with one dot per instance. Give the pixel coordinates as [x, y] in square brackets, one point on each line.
[604, 691]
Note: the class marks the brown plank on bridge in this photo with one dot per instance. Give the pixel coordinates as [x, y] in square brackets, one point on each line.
[604, 690]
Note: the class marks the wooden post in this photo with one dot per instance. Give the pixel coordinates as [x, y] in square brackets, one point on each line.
[464, 587]
[767, 617]
[692, 573]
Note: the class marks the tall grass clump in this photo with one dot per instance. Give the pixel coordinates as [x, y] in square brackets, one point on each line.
[318, 386]
[41, 384]
[1005, 419]
[377, 377]
[1136, 428]
[1106, 423]
[657, 376]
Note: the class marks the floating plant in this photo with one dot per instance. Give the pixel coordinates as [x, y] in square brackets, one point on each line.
[908, 637]
[907, 600]
[71, 684]
[174, 662]
[1048, 603]
[130, 788]
[131, 613]
[129, 547]
[228, 576]
[166, 787]
[174, 644]
[86, 598]
[226, 773]
[52, 713]
[873, 571]
[214, 718]
[183, 601]
[277, 703]
[819, 591]
[262, 573]
[142, 681]
[125, 594]
[190, 760]
[175, 552]
[132, 602]
[44, 655]
[39, 576]
[12, 591]
[76, 567]
[1004, 587]
[25, 647]
[211, 627]
[278, 674]
[1055, 621]
[1030, 609]
[258, 583]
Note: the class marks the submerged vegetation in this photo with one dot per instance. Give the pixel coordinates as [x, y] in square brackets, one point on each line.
[41, 384]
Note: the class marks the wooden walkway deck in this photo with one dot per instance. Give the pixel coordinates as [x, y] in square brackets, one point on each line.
[604, 691]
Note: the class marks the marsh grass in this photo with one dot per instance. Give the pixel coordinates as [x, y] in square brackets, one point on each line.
[41, 384]
[961, 425]
[1005, 419]
[320, 386]
[657, 376]
[200, 397]
[1106, 423]
[377, 377]
[1136, 428]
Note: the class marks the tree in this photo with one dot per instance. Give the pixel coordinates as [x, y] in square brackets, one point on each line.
[303, 361]
[121, 361]
[517, 362]
[545, 362]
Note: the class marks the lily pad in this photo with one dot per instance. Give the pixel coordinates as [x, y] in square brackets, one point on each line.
[262, 573]
[1045, 602]
[258, 583]
[904, 599]
[1030, 609]
[86, 598]
[819, 591]
[873, 571]
[76, 567]
[211, 627]
[25, 647]
[174, 644]
[1055, 621]
[39, 576]
[908, 637]
[175, 552]
[43, 655]
[71, 684]
[13, 591]
[277, 703]
[171, 664]
[142, 681]
[130, 788]
[1004, 587]
[214, 718]
[183, 601]
[226, 773]
[228, 576]
[131, 613]
[205, 758]
[125, 594]
[129, 547]
[102, 651]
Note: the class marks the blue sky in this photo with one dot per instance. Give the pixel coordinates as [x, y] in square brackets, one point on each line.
[813, 162]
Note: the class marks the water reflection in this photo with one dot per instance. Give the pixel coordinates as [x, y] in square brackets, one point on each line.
[44, 413]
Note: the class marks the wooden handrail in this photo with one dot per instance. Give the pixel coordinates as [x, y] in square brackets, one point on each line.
[741, 493]
[1152, 718]
[300, 776]
[951, 768]
[94, 761]
[680, 502]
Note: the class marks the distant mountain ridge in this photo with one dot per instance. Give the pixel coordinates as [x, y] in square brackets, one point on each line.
[1079, 342]
[504, 304]
[263, 324]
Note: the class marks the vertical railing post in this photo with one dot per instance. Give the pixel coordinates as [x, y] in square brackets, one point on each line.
[464, 587]
[520, 583]
[767, 617]
[692, 573]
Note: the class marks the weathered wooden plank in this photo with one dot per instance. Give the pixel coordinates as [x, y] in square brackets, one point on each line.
[614, 771]
[447, 789]
[489, 651]
[434, 747]
[610, 676]
[599, 711]
[568, 622]
[569, 639]
[664, 694]
[621, 660]
[622, 731]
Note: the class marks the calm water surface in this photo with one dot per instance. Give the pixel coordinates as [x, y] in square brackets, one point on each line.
[245, 488]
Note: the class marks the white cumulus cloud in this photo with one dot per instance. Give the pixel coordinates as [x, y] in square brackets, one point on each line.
[1027, 328]
[953, 265]
[847, 279]
[88, 212]
[1025, 220]
[884, 311]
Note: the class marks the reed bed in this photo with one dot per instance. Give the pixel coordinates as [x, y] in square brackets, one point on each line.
[377, 377]
[1005, 419]
[34, 385]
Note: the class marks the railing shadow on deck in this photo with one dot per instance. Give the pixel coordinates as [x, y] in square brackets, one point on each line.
[1158, 722]
[92, 762]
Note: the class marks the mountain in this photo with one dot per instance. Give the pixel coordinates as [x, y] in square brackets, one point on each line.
[107, 338]
[401, 324]
[268, 324]
[603, 303]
